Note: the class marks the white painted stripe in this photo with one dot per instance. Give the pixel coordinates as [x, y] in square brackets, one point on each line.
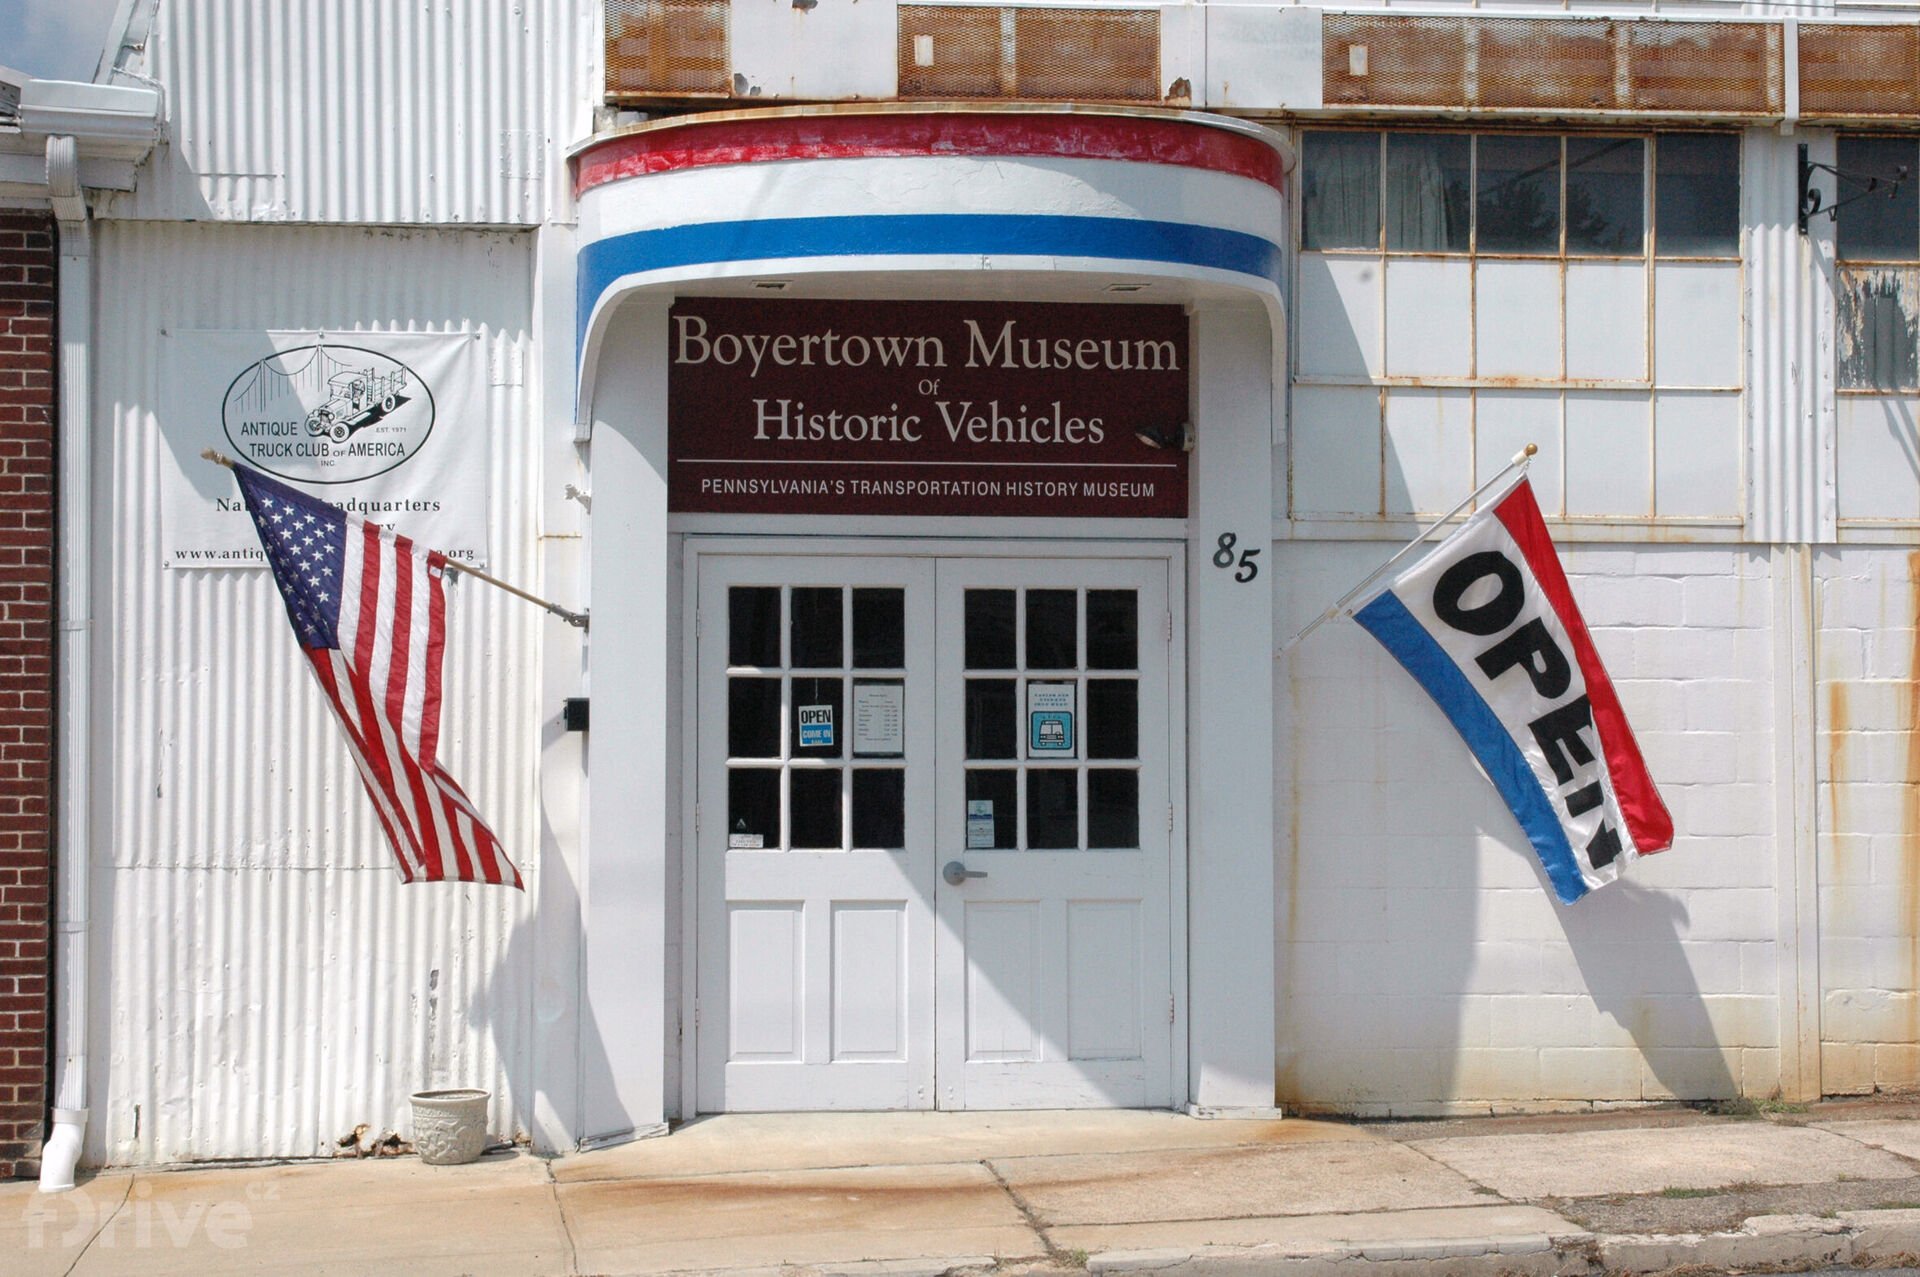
[420, 627]
[351, 566]
[1023, 185]
[374, 788]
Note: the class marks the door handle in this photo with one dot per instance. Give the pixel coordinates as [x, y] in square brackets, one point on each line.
[956, 873]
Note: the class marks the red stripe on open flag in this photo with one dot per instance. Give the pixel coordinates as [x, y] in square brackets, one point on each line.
[368, 610]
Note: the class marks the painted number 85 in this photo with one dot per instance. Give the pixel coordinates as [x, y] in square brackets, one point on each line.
[1223, 558]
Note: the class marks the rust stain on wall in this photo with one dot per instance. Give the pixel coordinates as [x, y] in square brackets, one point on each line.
[1909, 832]
[1286, 1086]
[1838, 716]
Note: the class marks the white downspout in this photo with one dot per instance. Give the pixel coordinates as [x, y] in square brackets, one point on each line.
[74, 449]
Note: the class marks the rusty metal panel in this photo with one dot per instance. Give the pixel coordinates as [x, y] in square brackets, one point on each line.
[1551, 64]
[1090, 54]
[1878, 336]
[667, 48]
[1408, 61]
[264, 983]
[1568, 66]
[1705, 66]
[1855, 71]
[947, 51]
[1043, 54]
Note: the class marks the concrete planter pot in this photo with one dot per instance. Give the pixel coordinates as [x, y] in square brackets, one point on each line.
[449, 1127]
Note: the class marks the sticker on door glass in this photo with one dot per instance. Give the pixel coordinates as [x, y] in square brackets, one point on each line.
[738, 839]
[816, 727]
[879, 719]
[1050, 710]
[979, 824]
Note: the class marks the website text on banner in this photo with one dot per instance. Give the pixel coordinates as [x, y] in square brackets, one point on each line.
[1487, 625]
[369, 610]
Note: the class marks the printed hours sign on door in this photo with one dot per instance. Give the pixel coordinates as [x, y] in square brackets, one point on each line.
[929, 408]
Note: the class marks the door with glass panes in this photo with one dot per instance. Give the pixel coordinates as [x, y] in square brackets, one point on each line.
[932, 824]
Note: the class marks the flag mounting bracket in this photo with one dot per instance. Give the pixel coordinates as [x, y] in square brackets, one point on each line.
[576, 619]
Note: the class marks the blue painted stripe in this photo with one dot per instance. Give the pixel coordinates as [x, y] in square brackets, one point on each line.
[1388, 620]
[920, 234]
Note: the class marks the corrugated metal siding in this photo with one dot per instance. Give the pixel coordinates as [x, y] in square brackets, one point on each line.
[1790, 348]
[384, 111]
[262, 982]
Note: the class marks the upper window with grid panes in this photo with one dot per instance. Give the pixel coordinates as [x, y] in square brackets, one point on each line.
[1461, 295]
[1522, 195]
[1877, 242]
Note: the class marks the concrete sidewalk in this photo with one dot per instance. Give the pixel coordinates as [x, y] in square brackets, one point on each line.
[899, 1194]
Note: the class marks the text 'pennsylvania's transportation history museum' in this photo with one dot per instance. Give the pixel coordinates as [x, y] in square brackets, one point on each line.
[807, 407]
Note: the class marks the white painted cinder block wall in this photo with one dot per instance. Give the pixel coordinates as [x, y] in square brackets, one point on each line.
[1867, 682]
[1424, 965]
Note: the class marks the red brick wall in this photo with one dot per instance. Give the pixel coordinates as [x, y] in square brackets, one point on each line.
[27, 260]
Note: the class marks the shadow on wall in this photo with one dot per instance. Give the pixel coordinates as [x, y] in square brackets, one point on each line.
[1419, 967]
[1626, 939]
[586, 1104]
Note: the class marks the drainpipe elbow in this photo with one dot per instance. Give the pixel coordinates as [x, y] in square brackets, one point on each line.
[62, 1151]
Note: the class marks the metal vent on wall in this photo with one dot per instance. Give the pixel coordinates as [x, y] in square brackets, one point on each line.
[667, 48]
[1553, 65]
[1092, 55]
[1859, 71]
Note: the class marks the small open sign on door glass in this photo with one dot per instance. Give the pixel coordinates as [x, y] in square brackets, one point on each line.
[816, 726]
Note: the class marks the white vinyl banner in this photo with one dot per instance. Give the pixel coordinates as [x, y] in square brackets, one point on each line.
[389, 426]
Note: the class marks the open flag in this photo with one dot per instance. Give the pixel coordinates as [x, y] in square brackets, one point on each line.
[368, 609]
[1488, 627]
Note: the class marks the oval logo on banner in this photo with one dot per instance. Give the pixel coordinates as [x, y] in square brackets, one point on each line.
[327, 414]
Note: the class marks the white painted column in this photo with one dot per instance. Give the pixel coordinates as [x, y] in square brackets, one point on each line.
[622, 1038]
[557, 921]
[1230, 715]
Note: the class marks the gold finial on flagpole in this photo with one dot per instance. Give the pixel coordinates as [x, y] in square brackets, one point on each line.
[218, 458]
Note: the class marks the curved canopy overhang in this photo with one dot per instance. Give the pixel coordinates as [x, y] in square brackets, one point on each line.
[927, 201]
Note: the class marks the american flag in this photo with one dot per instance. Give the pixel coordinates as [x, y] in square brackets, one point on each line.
[368, 608]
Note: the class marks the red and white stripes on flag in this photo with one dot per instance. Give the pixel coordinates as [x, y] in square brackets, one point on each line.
[370, 612]
[384, 681]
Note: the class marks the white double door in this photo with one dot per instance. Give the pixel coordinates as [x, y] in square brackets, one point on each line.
[933, 833]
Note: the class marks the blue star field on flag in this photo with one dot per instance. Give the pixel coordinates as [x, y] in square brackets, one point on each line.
[305, 540]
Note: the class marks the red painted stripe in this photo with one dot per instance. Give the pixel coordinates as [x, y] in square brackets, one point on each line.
[388, 769]
[427, 805]
[400, 641]
[1649, 824]
[1140, 140]
[462, 854]
[322, 662]
[436, 657]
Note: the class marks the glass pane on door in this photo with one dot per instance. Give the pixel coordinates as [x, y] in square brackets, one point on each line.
[1062, 734]
[807, 731]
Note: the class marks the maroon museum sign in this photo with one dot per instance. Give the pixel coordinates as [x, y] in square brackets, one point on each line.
[931, 408]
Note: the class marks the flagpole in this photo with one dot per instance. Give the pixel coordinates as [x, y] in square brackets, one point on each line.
[576, 619]
[1520, 458]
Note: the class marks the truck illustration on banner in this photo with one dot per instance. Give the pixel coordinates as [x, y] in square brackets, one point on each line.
[356, 399]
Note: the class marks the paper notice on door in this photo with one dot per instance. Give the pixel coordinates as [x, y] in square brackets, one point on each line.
[979, 824]
[879, 719]
[1050, 709]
